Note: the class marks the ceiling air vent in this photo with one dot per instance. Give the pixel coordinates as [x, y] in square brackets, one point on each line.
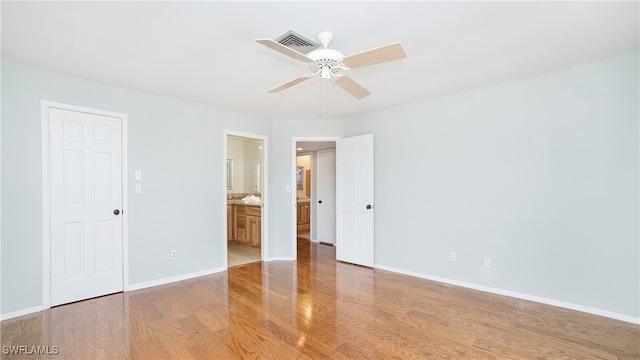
[297, 42]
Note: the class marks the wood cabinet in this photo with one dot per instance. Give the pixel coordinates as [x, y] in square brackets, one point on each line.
[303, 215]
[253, 230]
[240, 224]
[230, 228]
[253, 225]
[247, 224]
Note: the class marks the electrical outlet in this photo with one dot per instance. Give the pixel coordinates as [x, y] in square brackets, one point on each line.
[452, 256]
[174, 254]
[487, 262]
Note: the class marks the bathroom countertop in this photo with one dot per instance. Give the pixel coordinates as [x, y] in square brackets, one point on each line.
[238, 202]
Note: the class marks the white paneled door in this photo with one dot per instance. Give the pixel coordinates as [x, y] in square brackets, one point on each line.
[86, 205]
[354, 200]
[326, 224]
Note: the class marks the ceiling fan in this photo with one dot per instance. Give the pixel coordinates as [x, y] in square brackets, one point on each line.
[330, 63]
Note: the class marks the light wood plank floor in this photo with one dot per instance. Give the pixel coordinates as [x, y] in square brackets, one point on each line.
[316, 308]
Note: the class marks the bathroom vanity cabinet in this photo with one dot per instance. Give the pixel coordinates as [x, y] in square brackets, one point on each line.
[245, 223]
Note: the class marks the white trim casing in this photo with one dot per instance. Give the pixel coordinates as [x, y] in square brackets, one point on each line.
[46, 195]
[541, 300]
[125, 204]
[46, 205]
[22, 312]
[281, 259]
[172, 279]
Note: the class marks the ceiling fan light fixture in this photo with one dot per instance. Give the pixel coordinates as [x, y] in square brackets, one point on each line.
[325, 38]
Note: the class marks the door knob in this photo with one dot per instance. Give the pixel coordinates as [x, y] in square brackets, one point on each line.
[116, 212]
[319, 201]
[369, 207]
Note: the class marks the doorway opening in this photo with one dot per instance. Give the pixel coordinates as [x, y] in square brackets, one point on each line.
[244, 187]
[315, 183]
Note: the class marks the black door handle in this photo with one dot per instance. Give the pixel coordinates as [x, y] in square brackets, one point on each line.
[116, 212]
[319, 201]
[369, 207]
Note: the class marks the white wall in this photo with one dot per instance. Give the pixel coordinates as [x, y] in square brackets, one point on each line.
[540, 174]
[246, 154]
[235, 152]
[252, 157]
[176, 144]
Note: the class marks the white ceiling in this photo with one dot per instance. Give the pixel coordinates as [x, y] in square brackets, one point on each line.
[205, 51]
[309, 146]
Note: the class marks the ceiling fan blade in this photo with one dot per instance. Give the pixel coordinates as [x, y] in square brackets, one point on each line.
[378, 55]
[349, 85]
[274, 45]
[289, 84]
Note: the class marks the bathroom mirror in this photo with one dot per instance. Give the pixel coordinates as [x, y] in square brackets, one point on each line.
[229, 174]
[299, 177]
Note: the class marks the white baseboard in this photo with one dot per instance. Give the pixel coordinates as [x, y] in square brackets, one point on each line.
[26, 311]
[132, 287]
[169, 280]
[281, 259]
[562, 304]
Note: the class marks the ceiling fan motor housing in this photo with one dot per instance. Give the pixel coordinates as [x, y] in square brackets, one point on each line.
[327, 61]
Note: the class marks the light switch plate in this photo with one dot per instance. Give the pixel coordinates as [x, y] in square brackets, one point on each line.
[138, 175]
[138, 188]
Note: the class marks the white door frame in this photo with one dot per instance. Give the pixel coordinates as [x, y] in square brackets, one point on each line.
[46, 194]
[294, 204]
[264, 217]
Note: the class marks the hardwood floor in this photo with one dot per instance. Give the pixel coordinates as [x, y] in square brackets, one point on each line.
[315, 308]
